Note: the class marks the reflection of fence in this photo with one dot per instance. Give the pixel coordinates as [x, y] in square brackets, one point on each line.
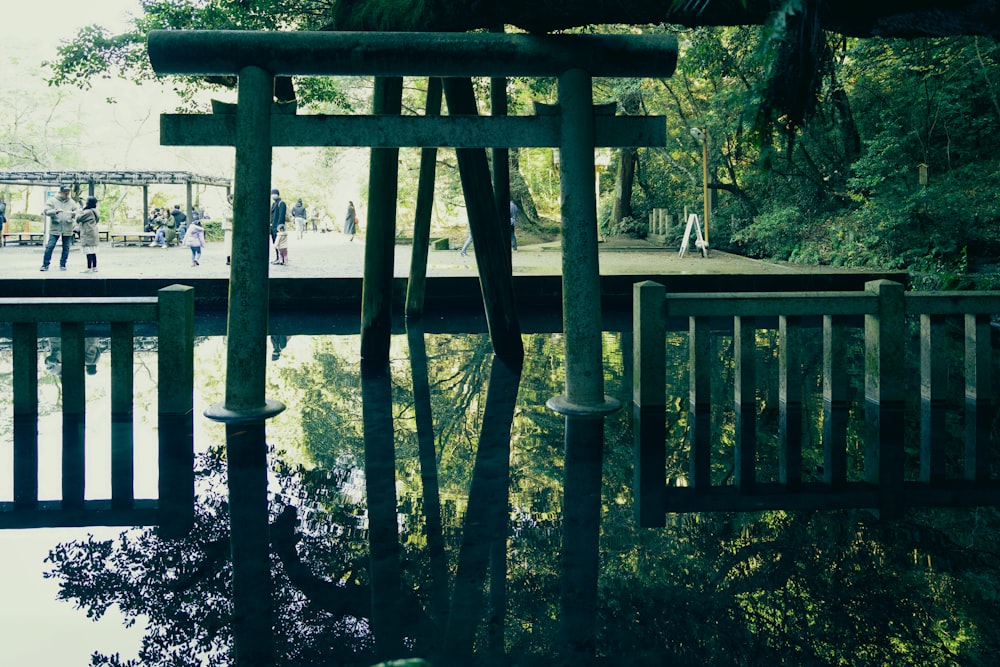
[173, 312]
[892, 473]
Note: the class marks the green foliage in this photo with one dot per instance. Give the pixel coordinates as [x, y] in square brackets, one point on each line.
[18, 221]
[95, 53]
[213, 230]
[848, 193]
[772, 235]
[629, 226]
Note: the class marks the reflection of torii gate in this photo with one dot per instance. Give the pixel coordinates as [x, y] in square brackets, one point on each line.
[256, 127]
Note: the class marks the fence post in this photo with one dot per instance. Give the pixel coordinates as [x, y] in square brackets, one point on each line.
[790, 401]
[978, 397]
[700, 401]
[25, 344]
[649, 330]
[745, 402]
[122, 414]
[175, 400]
[884, 355]
[836, 401]
[933, 405]
[74, 402]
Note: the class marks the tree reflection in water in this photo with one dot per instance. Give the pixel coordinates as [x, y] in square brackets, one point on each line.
[457, 556]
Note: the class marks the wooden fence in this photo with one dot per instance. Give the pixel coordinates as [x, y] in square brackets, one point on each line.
[173, 312]
[890, 480]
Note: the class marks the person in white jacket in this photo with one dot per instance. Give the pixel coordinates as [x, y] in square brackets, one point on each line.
[61, 211]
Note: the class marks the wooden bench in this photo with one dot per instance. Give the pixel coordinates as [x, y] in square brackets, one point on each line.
[38, 238]
[132, 238]
[23, 238]
[102, 235]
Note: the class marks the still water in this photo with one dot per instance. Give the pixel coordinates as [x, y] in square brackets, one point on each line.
[477, 532]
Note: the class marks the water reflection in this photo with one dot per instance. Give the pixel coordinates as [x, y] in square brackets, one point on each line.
[278, 344]
[51, 348]
[415, 509]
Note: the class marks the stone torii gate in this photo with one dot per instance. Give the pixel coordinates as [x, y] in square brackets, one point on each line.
[258, 125]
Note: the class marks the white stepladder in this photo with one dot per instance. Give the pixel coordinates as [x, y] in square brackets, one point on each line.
[699, 242]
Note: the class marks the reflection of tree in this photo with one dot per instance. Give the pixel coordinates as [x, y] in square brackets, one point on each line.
[486, 520]
[183, 586]
[810, 588]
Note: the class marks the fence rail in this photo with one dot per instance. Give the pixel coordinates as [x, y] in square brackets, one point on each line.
[173, 312]
[884, 485]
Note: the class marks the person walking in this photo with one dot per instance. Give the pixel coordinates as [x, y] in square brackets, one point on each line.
[281, 244]
[3, 219]
[279, 210]
[195, 239]
[351, 221]
[182, 230]
[299, 215]
[89, 238]
[61, 212]
[465, 246]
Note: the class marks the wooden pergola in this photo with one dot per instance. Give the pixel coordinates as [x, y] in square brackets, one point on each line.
[141, 179]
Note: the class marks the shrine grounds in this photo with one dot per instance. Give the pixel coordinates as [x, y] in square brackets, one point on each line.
[325, 272]
[333, 255]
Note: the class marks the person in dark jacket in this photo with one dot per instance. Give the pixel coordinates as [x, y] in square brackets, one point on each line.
[174, 226]
[279, 211]
[351, 221]
[299, 215]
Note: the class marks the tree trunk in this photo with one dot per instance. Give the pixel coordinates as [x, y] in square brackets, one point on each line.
[519, 191]
[631, 102]
[623, 186]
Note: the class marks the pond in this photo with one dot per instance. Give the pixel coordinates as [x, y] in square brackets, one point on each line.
[481, 545]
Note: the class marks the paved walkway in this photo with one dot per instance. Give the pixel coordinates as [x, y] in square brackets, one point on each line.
[333, 255]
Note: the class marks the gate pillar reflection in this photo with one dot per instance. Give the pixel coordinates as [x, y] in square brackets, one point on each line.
[584, 404]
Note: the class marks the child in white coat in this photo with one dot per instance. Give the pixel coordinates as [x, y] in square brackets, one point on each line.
[281, 245]
[194, 238]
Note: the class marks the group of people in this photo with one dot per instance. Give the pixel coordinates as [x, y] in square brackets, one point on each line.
[281, 216]
[66, 219]
[172, 227]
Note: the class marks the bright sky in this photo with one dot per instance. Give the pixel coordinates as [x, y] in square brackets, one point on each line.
[123, 135]
[40, 24]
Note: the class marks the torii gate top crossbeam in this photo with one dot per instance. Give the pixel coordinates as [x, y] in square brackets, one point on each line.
[226, 52]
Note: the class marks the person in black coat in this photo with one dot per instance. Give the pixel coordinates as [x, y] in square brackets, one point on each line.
[279, 210]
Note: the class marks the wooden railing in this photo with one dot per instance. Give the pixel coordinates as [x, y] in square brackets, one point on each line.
[889, 479]
[173, 312]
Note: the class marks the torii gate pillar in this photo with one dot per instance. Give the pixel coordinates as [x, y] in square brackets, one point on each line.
[246, 408]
